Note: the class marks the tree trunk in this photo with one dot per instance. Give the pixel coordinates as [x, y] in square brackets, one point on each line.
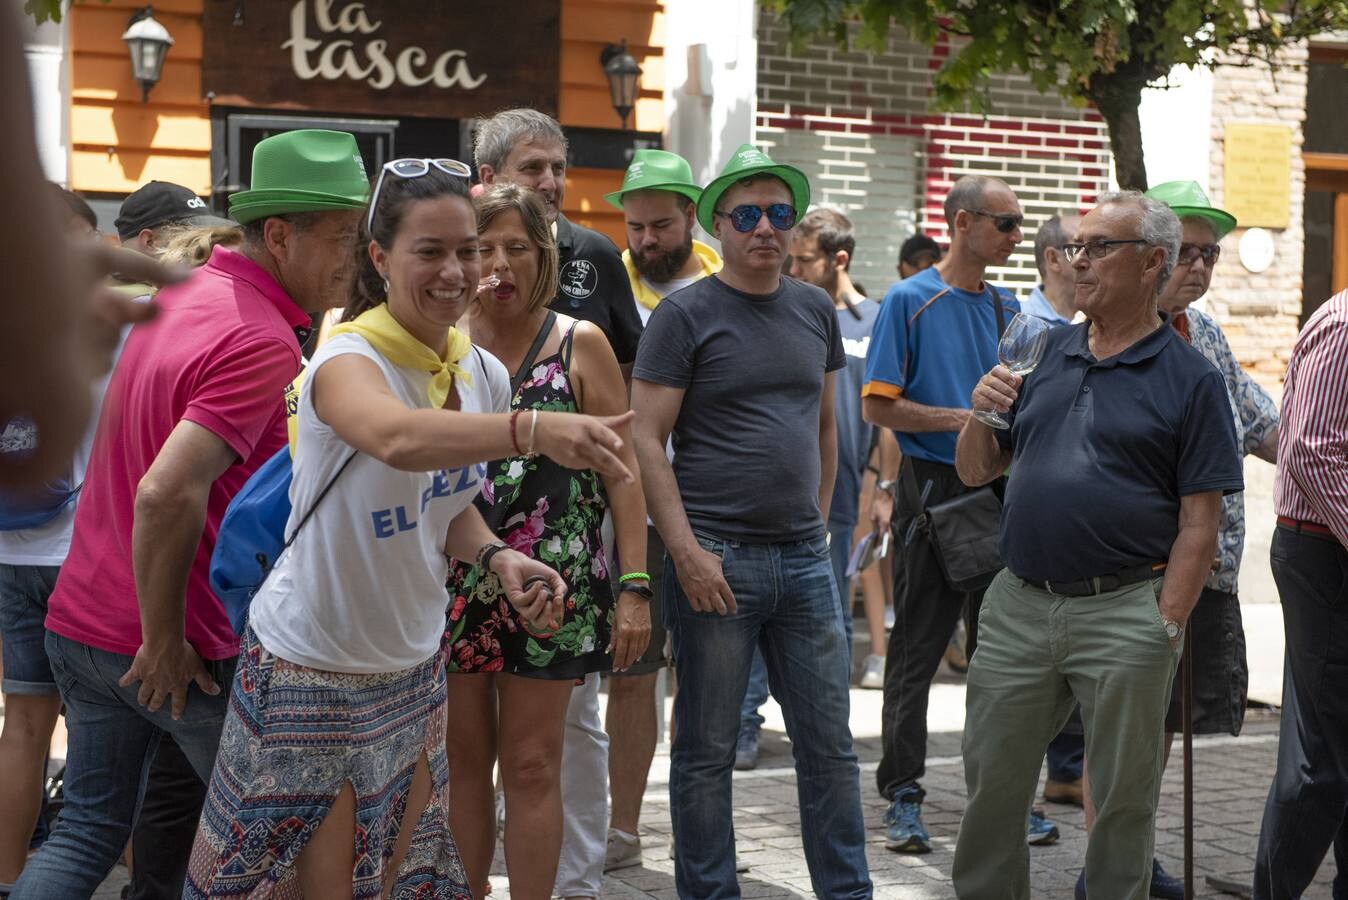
[1118, 99]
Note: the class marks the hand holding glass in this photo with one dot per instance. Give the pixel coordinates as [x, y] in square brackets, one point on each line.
[1020, 349]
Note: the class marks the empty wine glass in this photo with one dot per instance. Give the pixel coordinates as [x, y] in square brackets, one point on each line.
[1020, 349]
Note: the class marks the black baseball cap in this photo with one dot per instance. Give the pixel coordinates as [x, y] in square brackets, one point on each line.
[163, 203]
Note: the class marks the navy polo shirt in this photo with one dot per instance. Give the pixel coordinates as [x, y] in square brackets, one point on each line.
[1103, 450]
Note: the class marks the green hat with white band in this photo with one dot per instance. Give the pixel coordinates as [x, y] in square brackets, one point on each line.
[1186, 199]
[746, 161]
[656, 170]
[309, 170]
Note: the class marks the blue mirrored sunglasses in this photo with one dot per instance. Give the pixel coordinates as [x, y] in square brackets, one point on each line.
[414, 168]
[745, 218]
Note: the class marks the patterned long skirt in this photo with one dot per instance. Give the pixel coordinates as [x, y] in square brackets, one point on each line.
[294, 737]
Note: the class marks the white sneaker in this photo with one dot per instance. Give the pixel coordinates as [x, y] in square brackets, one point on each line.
[623, 852]
[873, 672]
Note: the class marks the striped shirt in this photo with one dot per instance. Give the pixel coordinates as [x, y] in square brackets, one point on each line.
[1312, 482]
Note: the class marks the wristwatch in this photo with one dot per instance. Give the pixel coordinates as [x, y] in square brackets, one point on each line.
[641, 590]
[887, 486]
[1173, 629]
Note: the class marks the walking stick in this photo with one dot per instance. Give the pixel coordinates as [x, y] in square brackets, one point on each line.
[1187, 716]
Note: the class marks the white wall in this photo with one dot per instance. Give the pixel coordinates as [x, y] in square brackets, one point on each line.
[1177, 128]
[711, 58]
[44, 49]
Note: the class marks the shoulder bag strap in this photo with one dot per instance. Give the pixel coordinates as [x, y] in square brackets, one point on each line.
[532, 355]
[1001, 314]
[321, 494]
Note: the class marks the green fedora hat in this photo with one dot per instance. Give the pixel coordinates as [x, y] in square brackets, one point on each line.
[749, 160]
[309, 170]
[656, 170]
[1186, 198]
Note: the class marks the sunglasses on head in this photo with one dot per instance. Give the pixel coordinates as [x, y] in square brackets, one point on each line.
[414, 168]
[1003, 222]
[1189, 254]
[745, 218]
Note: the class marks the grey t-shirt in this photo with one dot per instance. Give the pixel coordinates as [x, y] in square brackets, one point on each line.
[746, 441]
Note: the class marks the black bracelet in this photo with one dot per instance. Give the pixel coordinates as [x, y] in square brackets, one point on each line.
[641, 590]
[484, 556]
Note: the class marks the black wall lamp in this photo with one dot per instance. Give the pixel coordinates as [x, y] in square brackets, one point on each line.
[622, 72]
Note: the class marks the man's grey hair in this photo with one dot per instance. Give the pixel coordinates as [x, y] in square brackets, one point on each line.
[967, 193]
[1160, 228]
[1050, 234]
[497, 136]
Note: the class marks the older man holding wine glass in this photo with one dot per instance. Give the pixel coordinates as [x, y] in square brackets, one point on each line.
[1120, 446]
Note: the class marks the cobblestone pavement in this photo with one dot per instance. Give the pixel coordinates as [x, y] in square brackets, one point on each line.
[1231, 777]
[1231, 774]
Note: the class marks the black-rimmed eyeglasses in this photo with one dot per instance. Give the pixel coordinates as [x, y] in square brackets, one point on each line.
[1003, 222]
[414, 168]
[1096, 249]
[1190, 253]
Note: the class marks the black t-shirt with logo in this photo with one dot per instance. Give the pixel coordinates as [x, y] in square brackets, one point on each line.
[593, 286]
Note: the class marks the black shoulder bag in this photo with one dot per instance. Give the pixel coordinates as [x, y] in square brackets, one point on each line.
[965, 530]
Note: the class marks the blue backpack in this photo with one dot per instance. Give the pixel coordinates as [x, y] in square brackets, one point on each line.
[252, 534]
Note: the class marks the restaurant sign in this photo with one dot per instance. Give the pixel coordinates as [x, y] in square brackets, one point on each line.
[437, 58]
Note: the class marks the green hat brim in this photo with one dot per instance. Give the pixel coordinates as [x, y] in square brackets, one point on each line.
[1222, 222]
[692, 192]
[795, 180]
[249, 206]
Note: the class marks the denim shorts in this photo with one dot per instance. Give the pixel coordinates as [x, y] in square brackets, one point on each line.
[23, 611]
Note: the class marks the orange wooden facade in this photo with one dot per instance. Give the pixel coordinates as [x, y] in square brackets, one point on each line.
[118, 143]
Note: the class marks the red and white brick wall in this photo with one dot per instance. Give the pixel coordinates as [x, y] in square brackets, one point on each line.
[860, 126]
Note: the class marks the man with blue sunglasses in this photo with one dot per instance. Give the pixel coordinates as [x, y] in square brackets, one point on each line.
[739, 367]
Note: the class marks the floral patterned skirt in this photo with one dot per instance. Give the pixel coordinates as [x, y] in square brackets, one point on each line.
[294, 736]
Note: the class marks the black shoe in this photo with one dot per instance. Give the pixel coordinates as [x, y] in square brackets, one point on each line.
[1165, 885]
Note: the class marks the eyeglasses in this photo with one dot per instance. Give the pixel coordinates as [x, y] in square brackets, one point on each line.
[1003, 222]
[1189, 254]
[745, 218]
[1095, 249]
[413, 168]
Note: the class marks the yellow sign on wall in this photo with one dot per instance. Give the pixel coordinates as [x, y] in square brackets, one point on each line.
[1258, 183]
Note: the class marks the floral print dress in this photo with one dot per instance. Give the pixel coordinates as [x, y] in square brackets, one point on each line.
[552, 513]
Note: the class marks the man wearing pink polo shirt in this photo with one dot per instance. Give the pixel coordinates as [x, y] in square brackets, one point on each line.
[194, 407]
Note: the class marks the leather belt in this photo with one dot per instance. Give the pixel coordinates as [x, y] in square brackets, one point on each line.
[1302, 526]
[1100, 584]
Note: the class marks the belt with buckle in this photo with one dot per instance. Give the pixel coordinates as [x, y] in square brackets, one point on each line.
[1100, 584]
[1310, 529]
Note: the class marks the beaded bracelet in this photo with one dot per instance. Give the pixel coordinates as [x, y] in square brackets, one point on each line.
[514, 440]
[634, 576]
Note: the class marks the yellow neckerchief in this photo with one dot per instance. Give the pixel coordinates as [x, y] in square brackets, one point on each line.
[396, 344]
[711, 264]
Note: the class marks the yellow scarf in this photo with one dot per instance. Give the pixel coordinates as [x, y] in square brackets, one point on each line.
[396, 344]
[709, 258]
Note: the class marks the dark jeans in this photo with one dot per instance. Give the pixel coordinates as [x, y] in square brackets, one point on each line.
[162, 842]
[840, 550]
[1307, 808]
[926, 611]
[112, 742]
[786, 605]
[1067, 751]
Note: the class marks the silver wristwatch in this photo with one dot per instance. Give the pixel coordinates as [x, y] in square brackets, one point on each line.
[1173, 629]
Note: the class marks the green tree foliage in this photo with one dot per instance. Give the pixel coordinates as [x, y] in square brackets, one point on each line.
[1099, 51]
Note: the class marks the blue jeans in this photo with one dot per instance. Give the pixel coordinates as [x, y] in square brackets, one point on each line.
[112, 740]
[787, 606]
[840, 551]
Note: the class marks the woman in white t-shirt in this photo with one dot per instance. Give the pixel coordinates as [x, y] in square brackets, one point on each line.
[331, 775]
